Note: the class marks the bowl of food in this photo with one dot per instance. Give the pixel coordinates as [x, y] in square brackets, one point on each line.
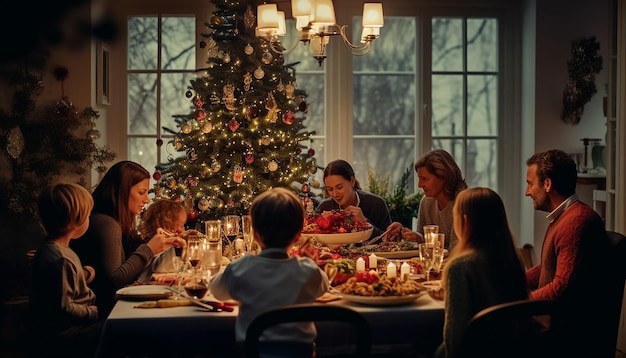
[337, 227]
[340, 238]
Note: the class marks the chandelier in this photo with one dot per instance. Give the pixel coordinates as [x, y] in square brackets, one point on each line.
[315, 22]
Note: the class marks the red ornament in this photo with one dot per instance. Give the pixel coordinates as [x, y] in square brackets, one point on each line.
[193, 215]
[252, 113]
[298, 151]
[159, 142]
[289, 117]
[156, 176]
[249, 158]
[311, 152]
[197, 102]
[233, 125]
[200, 115]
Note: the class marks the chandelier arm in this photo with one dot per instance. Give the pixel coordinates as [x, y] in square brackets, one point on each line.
[362, 47]
[273, 40]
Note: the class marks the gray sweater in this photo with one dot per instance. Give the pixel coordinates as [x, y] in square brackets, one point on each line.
[102, 248]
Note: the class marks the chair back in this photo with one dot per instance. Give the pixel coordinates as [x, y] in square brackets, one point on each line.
[513, 329]
[306, 313]
[614, 293]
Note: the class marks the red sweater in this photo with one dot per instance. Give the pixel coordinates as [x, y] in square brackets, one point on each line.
[571, 254]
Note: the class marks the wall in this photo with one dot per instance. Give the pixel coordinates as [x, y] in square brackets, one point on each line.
[558, 23]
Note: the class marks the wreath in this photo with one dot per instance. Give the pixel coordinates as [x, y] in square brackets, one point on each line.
[581, 86]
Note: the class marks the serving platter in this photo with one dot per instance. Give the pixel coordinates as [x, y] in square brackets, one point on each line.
[407, 254]
[143, 292]
[383, 300]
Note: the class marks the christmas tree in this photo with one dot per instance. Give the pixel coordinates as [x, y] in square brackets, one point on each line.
[245, 133]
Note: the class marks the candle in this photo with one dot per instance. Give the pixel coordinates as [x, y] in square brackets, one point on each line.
[405, 269]
[360, 265]
[373, 262]
[240, 246]
[391, 270]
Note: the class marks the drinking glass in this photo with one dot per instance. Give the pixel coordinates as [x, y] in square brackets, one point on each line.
[195, 251]
[246, 228]
[213, 246]
[426, 257]
[438, 252]
[231, 231]
[430, 234]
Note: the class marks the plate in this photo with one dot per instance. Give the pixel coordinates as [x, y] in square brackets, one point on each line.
[383, 300]
[144, 292]
[398, 254]
[341, 239]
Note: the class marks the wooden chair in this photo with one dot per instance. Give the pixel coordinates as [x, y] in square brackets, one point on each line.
[514, 329]
[526, 255]
[614, 293]
[305, 313]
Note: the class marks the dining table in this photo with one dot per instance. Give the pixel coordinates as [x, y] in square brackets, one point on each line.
[191, 331]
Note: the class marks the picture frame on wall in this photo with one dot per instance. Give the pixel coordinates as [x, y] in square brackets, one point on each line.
[103, 60]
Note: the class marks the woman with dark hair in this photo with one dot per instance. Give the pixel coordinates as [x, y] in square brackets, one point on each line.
[119, 197]
[441, 180]
[345, 193]
[483, 268]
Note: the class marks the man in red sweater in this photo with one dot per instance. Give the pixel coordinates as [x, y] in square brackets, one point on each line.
[573, 255]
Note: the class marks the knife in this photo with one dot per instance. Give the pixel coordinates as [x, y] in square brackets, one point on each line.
[203, 304]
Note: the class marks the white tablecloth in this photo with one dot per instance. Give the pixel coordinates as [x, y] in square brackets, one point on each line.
[190, 331]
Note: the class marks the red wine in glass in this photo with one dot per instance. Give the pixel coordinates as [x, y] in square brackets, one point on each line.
[196, 290]
[194, 262]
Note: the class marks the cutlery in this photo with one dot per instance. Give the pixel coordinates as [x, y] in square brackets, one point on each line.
[213, 306]
[370, 242]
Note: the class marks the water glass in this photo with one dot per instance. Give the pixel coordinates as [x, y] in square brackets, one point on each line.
[430, 234]
[213, 255]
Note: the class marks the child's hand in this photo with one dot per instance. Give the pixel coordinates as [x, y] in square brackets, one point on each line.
[307, 250]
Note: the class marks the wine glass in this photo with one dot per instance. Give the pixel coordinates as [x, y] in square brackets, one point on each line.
[246, 228]
[195, 251]
[426, 252]
[231, 230]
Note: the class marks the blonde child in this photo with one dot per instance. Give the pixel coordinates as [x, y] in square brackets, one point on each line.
[63, 306]
[166, 216]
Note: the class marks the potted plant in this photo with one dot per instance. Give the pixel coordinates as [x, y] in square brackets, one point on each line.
[402, 207]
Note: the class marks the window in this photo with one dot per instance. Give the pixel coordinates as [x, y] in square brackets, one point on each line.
[464, 95]
[161, 61]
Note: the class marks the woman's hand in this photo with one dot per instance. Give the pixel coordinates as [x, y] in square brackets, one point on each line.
[357, 212]
[410, 235]
[394, 229]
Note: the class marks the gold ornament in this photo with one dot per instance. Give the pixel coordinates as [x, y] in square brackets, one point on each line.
[259, 73]
[207, 127]
[272, 166]
[186, 128]
[203, 204]
[248, 50]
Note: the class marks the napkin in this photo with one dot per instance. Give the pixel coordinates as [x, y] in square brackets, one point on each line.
[164, 303]
[327, 297]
